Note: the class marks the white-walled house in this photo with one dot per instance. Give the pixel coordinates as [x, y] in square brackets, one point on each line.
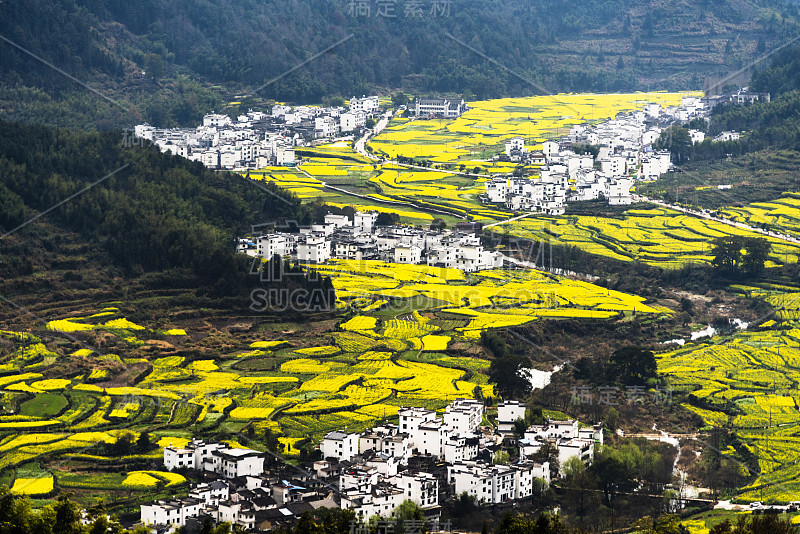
[232, 463]
[420, 487]
[313, 248]
[411, 418]
[172, 513]
[463, 416]
[339, 445]
[407, 254]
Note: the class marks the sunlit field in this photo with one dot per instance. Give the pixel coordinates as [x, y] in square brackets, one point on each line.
[483, 129]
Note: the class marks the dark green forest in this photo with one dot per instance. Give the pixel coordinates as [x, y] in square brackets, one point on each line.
[170, 61]
[147, 211]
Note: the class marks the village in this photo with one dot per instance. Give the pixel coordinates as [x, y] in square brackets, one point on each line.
[569, 171]
[361, 238]
[256, 140]
[425, 459]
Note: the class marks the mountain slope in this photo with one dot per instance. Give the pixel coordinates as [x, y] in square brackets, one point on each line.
[161, 57]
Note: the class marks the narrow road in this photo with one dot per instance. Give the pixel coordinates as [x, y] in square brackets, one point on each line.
[360, 145]
[512, 219]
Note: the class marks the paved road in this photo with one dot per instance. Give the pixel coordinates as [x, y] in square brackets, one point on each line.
[360, 145]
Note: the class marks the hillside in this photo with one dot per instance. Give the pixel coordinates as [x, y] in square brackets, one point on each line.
[114, 213]
[169, 62]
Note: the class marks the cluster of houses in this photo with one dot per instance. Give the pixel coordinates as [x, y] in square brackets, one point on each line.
[424, 458]
[625, 154]
[359, 238]
[256, 140]
[380, 468]
[237, 489]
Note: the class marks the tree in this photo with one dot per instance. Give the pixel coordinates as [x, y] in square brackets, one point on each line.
[547, 453]
[632, 365]
[438, 224]
[508, 374]
[756, 253]
[407, 511]
[387, 219]
[727, 253]
[677, 141]
[143, 443]
[520, 427]
[580, 486]
[399, 99]
[501, 457]
[737, 255]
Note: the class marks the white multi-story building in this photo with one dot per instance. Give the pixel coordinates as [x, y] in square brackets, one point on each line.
[313, 248]
[272, 244]
[507, 413]
[232, 463]
[172, 513]
[407, 254]
[366, 104]
[411, 418]
[618, 192]
[420, 487]
[364, 221]
[460, 448]
[464, 416]
[339, 445]
[440, 107]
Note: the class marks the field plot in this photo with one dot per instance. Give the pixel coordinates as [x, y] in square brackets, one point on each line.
[748, 383]
[487, 124]
[658, 236]
[489, 299]
[782, 214]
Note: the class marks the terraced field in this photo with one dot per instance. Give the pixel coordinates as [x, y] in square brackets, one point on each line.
[749, 383]
[658, 236]
[782, 214]
[360, 369]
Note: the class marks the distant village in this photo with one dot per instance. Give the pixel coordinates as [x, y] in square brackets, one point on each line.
[425, 459]
[257, 140]
[360, 238]
[625, 155]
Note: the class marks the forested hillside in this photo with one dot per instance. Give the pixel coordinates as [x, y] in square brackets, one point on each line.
[146, 211]
[169, 61]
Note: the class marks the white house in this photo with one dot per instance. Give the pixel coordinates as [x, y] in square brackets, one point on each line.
[407, 254]
[172, 513]
[364, 221]
[618, 192]
[442, 107]
[339, 445]
[311, 248]
[550, 149]
[420, 487]
[507, 413]
[232, 463]
[269, 245]
[463, 416]
[367, 104]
